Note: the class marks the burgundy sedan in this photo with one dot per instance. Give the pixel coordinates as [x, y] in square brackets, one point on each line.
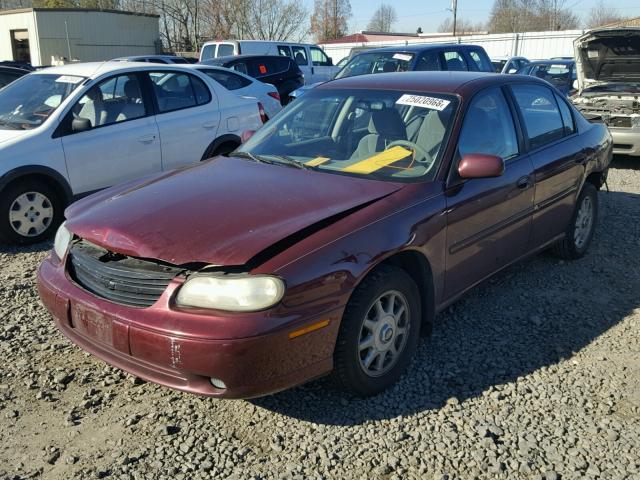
[331, 238]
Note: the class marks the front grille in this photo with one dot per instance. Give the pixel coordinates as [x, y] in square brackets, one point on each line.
[119, 278]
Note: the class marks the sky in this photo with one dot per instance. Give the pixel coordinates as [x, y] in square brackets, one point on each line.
[428, 14]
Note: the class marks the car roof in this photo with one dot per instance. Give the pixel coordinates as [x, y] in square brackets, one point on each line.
[463, 83]
[551, 62]
[95, 69]
[421, 47]
[230, 58]
[14, 69]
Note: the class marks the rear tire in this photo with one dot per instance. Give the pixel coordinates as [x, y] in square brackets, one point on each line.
[221, 150]
[582, 226]
[379, 332]
[30, 212]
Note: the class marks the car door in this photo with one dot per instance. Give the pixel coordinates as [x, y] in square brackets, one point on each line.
[488, 219]
[121, 142]
[323, 69]
[301, 57]
[557, 154]
[187, 116]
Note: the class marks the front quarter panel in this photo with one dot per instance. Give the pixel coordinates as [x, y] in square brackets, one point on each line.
[322, 270]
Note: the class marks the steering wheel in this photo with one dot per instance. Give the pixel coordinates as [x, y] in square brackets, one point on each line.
[426, 158]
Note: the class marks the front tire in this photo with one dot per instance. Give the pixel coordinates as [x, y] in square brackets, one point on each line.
[30, 212]
[582, 226]
[379, 332]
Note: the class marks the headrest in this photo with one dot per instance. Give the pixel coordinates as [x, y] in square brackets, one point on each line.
[388, 123]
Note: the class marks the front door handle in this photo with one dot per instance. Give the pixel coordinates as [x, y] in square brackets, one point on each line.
[147, 138]
[524, 182]
[209, 125]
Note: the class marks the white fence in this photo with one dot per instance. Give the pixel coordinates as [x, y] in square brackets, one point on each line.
[533, 45]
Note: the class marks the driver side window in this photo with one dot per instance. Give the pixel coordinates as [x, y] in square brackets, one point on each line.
[114, 100]
[488, 112]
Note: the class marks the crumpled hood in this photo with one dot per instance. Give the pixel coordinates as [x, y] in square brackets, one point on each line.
[222, 212]
[608, 55]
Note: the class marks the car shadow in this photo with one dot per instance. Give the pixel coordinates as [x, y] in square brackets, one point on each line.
[625, 162]
[20, 249]
[530, 316]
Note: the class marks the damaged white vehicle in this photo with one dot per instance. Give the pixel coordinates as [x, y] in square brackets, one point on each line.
[608, 68]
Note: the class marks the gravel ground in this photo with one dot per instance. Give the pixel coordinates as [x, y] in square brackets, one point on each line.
[534, 375]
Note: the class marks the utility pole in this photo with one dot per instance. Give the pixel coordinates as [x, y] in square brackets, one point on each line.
[454, 8]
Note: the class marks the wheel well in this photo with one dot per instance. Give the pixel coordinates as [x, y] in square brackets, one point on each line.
[220, 142]
[62, 193]
[597, 179]
[418, 268]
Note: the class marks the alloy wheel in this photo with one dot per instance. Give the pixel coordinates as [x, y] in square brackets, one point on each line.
[384, 333]
[584, 222]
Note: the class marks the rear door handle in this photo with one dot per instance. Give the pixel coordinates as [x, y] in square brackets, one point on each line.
[524, 182]
[209, 125]
[147, 138]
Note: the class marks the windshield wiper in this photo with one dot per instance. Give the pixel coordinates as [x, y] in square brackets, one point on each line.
[281, 159]
[12, 125]
[284, 159]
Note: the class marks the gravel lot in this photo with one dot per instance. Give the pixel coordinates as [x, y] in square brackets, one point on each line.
[536, 374]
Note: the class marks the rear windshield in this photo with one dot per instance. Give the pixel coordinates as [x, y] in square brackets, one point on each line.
[556, 74]
[376, 62]
[380, 134]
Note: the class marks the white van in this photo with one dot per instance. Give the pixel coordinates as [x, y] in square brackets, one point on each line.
[311, 59]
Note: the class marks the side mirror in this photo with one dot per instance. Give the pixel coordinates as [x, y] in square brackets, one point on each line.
[479, 165]
[246, 135]
[80, 125]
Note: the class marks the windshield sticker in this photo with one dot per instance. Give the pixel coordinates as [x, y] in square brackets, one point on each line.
[425, 102]
[402, 56]
[378, 161]
[68, 79]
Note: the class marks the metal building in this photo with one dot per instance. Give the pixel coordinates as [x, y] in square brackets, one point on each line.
[42, 36]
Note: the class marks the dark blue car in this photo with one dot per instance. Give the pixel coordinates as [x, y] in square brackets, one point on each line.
[406, 58]
[559, 73]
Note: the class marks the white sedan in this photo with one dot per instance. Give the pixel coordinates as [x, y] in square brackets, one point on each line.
[71, 130]
[242, 84]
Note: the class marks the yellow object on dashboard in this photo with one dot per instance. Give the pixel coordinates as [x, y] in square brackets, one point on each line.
[378, 161]
[317, 161]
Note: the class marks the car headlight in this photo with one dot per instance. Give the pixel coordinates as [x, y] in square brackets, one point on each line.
[62, 241]
[235, 293]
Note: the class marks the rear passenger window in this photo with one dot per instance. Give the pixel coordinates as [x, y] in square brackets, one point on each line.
[540, 112]
[300, 55]
[175, 91]
[225, 50]
[228, 80]
[567, 118]
[489, 112]
[284, 51]
[455, 61]
[478, 62]
[429, 61]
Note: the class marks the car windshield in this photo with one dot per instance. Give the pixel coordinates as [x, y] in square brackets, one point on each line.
[556, 74]
[380, 62]
[381, 134]
[29, 101]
